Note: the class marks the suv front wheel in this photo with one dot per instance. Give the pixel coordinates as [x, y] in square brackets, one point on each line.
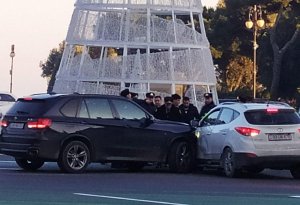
[29, 165]
[74, 157]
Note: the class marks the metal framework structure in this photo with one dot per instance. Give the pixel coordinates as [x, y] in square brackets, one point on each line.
[143, 45]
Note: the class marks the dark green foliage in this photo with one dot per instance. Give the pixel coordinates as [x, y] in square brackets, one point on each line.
[228, 35]
[51, 65]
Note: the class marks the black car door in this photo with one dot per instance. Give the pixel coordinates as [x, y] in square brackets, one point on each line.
[140, 140]
[103, 127]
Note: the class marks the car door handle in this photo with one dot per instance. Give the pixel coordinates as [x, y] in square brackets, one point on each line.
[224, 133]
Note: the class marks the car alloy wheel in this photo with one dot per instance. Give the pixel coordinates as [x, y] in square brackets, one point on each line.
[75, 157]
[181, 157]
[29, 165]
[229, 163]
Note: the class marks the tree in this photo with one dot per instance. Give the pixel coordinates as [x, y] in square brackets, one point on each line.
[280, 48]
[51, 65]
[229, 39]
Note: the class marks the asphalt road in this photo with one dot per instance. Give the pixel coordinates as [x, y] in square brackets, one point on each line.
[101, 185]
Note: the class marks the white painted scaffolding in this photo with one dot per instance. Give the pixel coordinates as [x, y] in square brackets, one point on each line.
[143, 45]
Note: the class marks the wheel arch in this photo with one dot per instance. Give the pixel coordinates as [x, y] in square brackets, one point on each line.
[82, 139]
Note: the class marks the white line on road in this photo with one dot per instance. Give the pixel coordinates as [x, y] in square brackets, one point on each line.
[128, 199]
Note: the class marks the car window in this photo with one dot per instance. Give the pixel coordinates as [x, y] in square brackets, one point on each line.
[28, 108]
[6, 97]
[69, 109]
[226, 116]
[211, 119]
[282, 117]
[95, 108]
[235, 115]
[128, 110]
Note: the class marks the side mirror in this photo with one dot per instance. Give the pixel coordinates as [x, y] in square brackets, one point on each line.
[194, 123]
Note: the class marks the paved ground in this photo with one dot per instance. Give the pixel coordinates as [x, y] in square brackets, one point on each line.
[102, 185]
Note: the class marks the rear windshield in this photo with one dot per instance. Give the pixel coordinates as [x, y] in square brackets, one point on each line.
[282, 117]
[28, 108]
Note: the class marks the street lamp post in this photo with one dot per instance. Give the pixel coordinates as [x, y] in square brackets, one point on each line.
[255, 22]
[12, 55]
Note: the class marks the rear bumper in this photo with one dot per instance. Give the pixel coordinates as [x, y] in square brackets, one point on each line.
[273, 162]
[44, 149]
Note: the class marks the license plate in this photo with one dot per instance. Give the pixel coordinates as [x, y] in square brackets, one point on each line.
[280, 137]
[16, 125]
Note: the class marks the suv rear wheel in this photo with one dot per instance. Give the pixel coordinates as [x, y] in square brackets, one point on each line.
[29, 165]
[74, 157]
[181, 157]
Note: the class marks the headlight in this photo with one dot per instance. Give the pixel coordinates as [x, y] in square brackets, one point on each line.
[197, 133]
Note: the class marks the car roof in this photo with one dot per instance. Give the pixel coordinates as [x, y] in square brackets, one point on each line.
[255, 106]
[44, 96]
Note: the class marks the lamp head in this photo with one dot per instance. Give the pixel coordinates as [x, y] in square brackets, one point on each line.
[249, 24]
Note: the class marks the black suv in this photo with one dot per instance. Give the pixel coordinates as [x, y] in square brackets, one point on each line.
[74, 130]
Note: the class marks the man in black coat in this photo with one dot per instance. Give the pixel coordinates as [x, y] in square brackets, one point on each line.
[209, 104]
[168, 111]
[188, 111]
[148, 104]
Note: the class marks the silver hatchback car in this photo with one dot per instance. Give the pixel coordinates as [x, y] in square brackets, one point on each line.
[250, 137]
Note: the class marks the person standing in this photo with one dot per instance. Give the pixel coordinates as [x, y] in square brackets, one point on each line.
[125, 93]
[157, 101]
[188, 111]
[168, 111]
[176, 100]
[209, 104]
[148, 104]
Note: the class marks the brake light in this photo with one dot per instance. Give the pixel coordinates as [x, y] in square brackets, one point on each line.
[247, 131]
[27, 98]
[272, 110]
[3, 123]
[40, 123]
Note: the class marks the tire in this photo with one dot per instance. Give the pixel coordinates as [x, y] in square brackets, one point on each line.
[135, 166]
[74, 157]
[229, 164]
[181, 157]
[29, 165]
[295, 172]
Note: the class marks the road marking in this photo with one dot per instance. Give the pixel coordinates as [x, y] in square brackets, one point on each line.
[295, 196]
[128, 199]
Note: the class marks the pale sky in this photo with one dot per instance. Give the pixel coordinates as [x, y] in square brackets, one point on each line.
[35, 27]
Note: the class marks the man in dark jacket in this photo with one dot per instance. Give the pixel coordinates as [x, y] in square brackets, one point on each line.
[148, 104]
[209, 104]
[188, 111]
[168, 111]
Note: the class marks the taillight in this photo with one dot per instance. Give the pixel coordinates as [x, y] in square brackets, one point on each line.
[40, 123]
[272, 110]
[3, 123]
[247, 131]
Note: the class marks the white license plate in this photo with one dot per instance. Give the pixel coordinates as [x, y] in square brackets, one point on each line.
[280, 137]
[15, 125]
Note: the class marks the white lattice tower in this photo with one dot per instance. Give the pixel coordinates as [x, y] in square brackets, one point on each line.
[145, 45]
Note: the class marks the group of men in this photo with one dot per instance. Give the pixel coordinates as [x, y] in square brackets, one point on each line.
[171, 109]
